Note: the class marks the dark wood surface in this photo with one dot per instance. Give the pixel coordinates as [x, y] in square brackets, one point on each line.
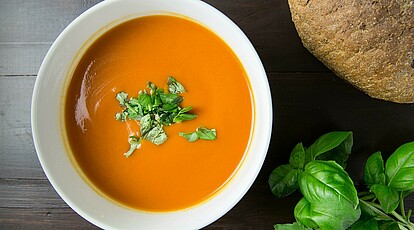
[308, 101]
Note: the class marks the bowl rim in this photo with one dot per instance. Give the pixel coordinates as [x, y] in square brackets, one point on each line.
[265, 113]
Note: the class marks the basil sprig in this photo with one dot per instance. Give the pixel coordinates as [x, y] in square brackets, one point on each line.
[388, 185]
[154, 109]
[330, 198]
[334, 146]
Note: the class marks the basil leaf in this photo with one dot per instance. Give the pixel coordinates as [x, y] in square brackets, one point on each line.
[134, 102]
[399, 168]
[157, 98]
[154, 94]
[387, 196]
[184, 117]
[284, 180]
[334, 146]
[171, 98]
[322, 179]
[169, 107]
[304, 214]
[145, 101]
[191, 137]
[174, 86]
[134, 116]
[331, 194]
[145, 124]
[365, 224]
[122, 98]
[186, 109]
[152, 87]
[206, 134]
[374, 170]
[121, 116]
[131, 111]
[135, 143]
[166, 119]
[200, 133]
[297, 156]
[156, 135]
[294, 226]
[328, 214]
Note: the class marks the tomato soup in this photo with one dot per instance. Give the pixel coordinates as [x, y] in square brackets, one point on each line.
[176, 174]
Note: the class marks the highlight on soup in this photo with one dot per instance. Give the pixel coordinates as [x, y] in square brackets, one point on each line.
[176, 174]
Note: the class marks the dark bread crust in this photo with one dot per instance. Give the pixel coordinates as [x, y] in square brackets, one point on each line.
[368, 43]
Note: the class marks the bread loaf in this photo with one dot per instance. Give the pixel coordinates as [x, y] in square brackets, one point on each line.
[368, 43]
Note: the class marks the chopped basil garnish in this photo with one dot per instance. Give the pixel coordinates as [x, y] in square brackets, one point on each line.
[156, 109]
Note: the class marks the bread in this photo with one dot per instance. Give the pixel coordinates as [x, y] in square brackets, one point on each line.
[368, 43]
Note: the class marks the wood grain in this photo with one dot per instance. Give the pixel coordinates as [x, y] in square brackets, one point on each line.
[308, 101]
[28, 29]
[24, 21]
[18, 158]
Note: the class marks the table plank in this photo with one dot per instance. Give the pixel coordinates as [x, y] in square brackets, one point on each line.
[18, 158]
[25, 21]
[28, 29]
[22, 58]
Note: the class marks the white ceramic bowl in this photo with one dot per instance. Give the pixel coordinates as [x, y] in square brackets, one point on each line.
[48, 131]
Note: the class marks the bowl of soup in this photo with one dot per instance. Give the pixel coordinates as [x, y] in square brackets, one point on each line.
[151, 114]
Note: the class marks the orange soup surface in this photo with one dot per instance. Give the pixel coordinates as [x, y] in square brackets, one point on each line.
[176, 174]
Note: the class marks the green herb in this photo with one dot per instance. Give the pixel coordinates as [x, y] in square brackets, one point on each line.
[399, 168]
[334, 146]
[387, 196]
[156, 135]
[122, 98]
[331, 146]
[154, 109]
[387, 192]
[121, 116]
[202, 133]
[174, 86]
[183, 115]
[284, 180]
[374, 170]
[330, 198]
[135, 143]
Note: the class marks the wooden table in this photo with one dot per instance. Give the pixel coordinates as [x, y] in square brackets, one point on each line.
[308, 99]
